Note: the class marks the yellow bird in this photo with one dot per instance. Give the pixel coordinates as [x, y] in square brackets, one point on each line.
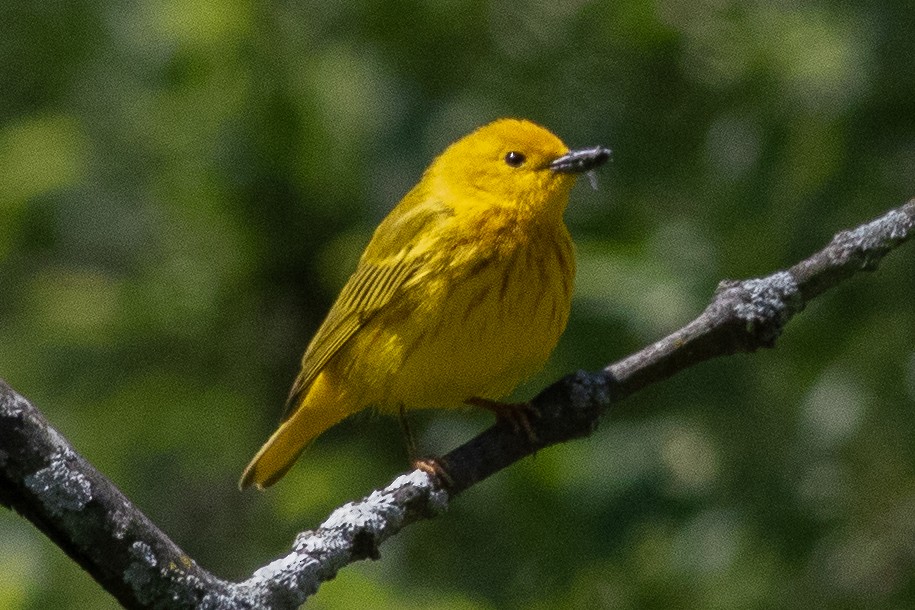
[461, 294]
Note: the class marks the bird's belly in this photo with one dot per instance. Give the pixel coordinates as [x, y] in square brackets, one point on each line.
[480, 337]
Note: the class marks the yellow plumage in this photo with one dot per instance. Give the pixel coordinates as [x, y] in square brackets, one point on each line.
[462, 292]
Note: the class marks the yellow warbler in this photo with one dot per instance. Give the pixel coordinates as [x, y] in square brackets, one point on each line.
[462, 292]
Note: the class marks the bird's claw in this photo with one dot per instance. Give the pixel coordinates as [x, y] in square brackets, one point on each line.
[517, 414]
[435, 469]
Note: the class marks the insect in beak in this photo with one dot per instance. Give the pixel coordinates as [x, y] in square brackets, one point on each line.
[582, 160]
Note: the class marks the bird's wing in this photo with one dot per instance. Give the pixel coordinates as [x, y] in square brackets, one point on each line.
[389, 260]
[369, 289]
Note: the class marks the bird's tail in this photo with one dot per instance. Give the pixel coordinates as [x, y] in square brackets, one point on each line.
[319, 408]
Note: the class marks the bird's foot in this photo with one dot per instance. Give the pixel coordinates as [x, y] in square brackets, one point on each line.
[517, 414]
[435, 469]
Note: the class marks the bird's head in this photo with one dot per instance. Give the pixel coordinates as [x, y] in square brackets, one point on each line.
[513, 163]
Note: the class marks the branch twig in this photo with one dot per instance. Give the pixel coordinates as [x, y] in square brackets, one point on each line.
[45, 480]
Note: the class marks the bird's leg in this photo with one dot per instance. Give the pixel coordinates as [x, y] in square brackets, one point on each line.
[431, 466]
[517, 414]
[408, 438]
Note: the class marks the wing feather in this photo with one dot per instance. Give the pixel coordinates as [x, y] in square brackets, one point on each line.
[369, 289]
[386, 265]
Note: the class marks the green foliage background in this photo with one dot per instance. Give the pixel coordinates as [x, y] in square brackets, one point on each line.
[185, 186]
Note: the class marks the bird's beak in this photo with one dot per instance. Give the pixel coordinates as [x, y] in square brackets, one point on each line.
[578, 161]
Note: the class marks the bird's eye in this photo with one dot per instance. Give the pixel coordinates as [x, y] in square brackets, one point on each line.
[515, 159]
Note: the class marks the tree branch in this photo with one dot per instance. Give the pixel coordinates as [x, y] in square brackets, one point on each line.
[45, 480]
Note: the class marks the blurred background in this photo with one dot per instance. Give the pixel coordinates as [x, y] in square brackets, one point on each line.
[184, 187]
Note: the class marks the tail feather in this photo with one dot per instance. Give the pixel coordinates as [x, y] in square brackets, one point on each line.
[318, 409]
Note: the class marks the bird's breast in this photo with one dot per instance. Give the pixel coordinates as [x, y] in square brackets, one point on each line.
[481, 323]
